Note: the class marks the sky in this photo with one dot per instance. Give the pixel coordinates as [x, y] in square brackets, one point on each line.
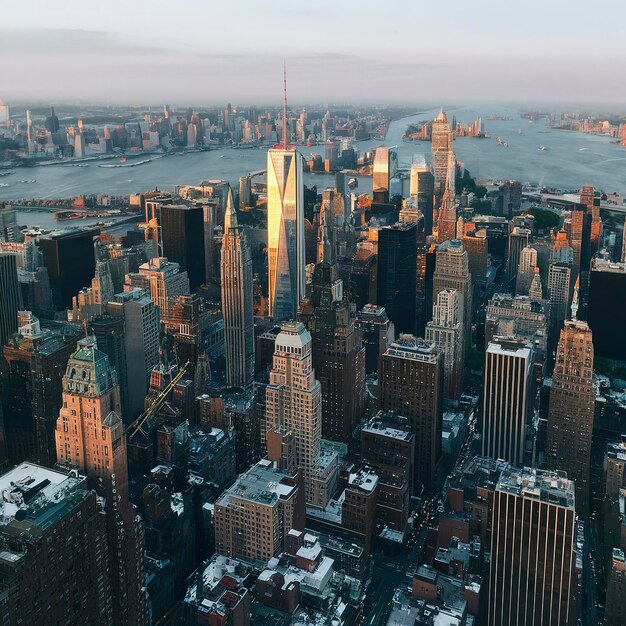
[396, 51]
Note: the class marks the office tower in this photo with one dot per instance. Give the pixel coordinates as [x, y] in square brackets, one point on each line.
[425, 271]
[526, 270]
[561, 251]
[445, 330]
[388, 447]
[141, 339]
[623, 257]
[535, 291]
[182, 234]
[377, 332]
[507, 399]
[210, 214]
[579, 237]
[446, 218]
[5, 113]
[9, 230]
[571, 411]
[326, 249]
[607, 303]
[255, 515]
[384, 169]
[442, 146]
[55, 564]
[533, 550]
[476, 244]
[110, 335]
[35, 363]
[70, 261]
[285, 233]
[337, 351]
[452, 272]
[518, 240]
[614, 469]
[362, 281]
[411, 385]
[236, 280]
[559, 289]
[294, 397]
[520, 317]
[11, 301]
[422, 190]
[397, 248]
[616, 589]
[162, 280]
[90, 438]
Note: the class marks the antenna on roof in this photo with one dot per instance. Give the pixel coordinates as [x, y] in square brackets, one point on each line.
[284, 104]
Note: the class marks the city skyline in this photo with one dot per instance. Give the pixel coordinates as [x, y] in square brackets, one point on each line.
[515, 56]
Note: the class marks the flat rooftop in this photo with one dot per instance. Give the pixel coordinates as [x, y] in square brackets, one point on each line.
[543, 485]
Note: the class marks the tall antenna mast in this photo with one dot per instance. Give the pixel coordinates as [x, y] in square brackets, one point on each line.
[284, 105]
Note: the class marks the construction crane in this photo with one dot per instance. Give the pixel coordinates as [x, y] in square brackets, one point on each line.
[138, 425]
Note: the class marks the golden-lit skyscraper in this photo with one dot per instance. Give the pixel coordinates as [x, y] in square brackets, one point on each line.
[237, 308]
[285, 232]
[90, 437]
[572, 404]
[442, 146]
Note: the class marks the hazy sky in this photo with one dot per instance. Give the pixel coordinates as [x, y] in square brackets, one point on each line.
[195, 51]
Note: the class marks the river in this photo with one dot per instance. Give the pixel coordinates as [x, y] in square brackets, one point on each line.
[562, 165]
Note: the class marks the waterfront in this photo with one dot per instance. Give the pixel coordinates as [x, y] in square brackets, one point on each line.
[562, 164]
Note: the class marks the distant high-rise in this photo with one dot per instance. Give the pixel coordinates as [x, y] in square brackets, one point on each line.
[446, 219]
[182, 234]
[571, 412]
[506, 399]
[452, 272]
[162, 280]
[236, 280]
[518, 240]
[446, 331]
[90, 438]
[383, 170]
[378, 333]
[396, 289]
[525, 270]
[559, 289]
[285, 232]
[338, 354]
[607, 303]
[533, 550]
[422, 189]
[141, 338]
[442, 146]
[411, 385]
[70, 260]
[10, 300]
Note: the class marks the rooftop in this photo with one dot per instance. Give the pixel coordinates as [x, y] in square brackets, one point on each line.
[411, 347]
[543, 485]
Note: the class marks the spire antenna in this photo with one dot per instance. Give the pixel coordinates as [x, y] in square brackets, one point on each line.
[284, 104]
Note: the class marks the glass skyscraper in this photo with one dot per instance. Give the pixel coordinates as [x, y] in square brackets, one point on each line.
[285, 232]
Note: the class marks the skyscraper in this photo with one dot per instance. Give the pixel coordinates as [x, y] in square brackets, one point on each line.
[377, 332]
[396, 289]
[525, 270]
[442, 146]
[70, 260]
[571, 412]
[285, 232]
[338, 354]
[452, 272]
[182, 234]
[294, 397]
[446, 331]
[446, 219]
[90, 438]
[10, 302]
[607, 303]
[236, 275]
[533, 550]
[54, 540]
[559, 289]
[506, 399]
[384, 169]
[518, 240]
[422, 190]
[411, 385]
